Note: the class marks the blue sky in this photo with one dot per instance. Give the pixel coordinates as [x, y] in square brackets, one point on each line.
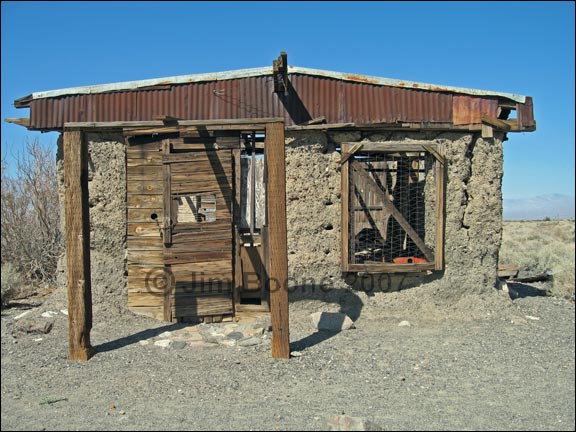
[514, 47]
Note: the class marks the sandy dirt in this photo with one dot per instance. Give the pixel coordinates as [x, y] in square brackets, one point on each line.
[486, 363]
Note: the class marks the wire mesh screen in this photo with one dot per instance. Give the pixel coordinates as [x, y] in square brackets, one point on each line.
[392, 200]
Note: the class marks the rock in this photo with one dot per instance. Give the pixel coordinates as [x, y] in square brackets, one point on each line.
[178, 344]
[228, 342]
[214, 338]
[38, 340]
[49, 314]
[194, 337]
[253, 332]
[235, 335]
[36, 327]
[165, 335]
[64, 312]
[201, 344]
[405, 324]
[230, 328]
[163, 343]
[22, 315]
[347, 423]
[331, 321]
[296, 354]
[144, 342]
[250, 342]
[533, 318]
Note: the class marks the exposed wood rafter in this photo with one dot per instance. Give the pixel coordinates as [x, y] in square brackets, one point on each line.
[21, 121]
[280, 73]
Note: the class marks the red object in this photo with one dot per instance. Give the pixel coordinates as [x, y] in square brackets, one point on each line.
[409, 260]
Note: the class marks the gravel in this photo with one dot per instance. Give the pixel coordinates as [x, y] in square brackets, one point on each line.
[487, 366]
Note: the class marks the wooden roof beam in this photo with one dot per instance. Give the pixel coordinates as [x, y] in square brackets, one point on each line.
[22, 121]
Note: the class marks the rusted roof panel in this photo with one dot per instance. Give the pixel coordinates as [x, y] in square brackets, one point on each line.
[525, 114]
[469, 109]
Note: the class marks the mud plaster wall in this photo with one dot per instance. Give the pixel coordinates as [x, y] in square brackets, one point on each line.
[473, 226]
[107, 192]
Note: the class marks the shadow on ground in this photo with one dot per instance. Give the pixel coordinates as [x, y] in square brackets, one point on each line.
[519, 290]
[136, 337]
[349, 303]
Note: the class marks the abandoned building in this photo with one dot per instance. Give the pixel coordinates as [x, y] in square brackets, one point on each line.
[192, 216]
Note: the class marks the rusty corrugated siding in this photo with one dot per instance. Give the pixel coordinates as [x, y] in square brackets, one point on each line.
[252, 97]
[469, 109]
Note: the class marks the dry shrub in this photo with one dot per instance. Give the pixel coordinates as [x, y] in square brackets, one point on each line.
[537, 246]
[31, 239]
[11, 283]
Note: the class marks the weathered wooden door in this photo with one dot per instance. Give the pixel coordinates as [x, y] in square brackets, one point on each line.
[197, 228]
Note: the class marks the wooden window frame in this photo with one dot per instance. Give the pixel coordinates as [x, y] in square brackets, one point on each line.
[436, 150]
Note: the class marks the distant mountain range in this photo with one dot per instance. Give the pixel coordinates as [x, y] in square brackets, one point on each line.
[553, 206]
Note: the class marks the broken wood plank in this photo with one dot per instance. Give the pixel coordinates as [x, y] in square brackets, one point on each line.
[506, 271]
[542, 277]
[314, 121]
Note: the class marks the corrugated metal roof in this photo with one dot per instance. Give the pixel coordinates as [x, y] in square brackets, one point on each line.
[267, 71]
[253, 97]
[250, 93]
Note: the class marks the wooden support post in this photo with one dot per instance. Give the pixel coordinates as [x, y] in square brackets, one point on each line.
[277, 261]
[77, 246]
[345, 210]
[440, 215]
[167, 194]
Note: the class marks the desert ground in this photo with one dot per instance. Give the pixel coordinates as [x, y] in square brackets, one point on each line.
[413, 361]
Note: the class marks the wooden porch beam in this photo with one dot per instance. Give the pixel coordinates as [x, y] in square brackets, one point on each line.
[277, 256]
[239, 124]
[77, 246]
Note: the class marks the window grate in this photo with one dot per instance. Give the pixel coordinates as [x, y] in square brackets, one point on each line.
[391, 208]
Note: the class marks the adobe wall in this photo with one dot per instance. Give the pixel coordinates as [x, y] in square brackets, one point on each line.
[473, 226]
[107, 192]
